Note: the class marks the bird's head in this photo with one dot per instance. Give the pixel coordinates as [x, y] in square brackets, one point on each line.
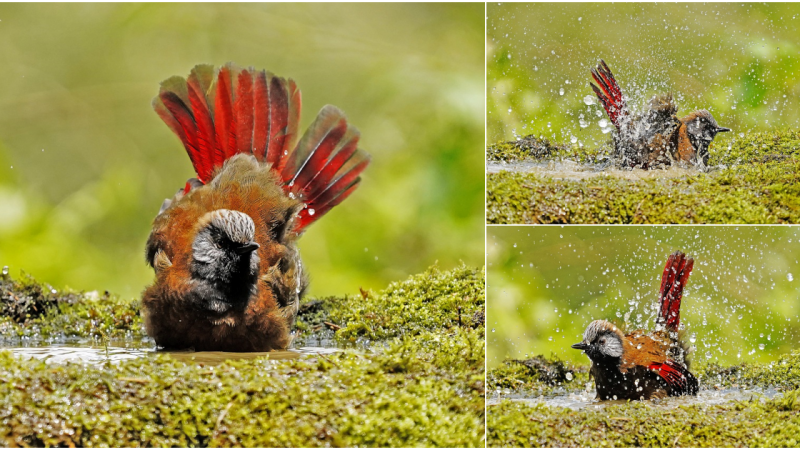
[702, 128]
[602, 341]
[224, 250]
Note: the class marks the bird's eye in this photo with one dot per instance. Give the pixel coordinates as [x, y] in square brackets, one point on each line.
[602, 341]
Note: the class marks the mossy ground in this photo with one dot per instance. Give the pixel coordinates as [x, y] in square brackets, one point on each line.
[420, 382]
[756, 180]
[751, 423]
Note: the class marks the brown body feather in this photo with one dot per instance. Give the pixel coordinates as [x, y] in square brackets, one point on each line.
[264, 323]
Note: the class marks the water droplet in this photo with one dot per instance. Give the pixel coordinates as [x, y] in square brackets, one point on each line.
[573, 139]
[535, 69]
[761, 346]
[509, 110]
[311, 211]
[589, 100]
[492, 330]
[603, 123]
[789, 277]
[5, 270]
[561, 91]
[569, 376]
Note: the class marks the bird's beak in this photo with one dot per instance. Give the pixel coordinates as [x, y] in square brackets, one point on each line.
[721, 129]
[246, 248]
[580, 346]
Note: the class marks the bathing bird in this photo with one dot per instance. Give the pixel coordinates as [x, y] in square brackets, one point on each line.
[228, 274]
[644, 364]
[656, 137]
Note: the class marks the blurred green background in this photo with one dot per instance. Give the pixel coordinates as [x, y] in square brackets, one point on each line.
[85, 163]
[547, 283]
[739, 61]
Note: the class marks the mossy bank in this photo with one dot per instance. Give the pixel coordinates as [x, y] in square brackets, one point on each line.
[755, 422]
[755, 179]
[419, 381]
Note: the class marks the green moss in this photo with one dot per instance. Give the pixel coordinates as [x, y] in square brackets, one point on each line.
[421, 383]
[757, 181]
[536, 375]
[540, 148]
[433, 300]
[35, 310]
[751, 423]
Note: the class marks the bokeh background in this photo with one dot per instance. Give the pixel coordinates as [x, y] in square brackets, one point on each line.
[547, 283]
[739, 61]
[85, 163]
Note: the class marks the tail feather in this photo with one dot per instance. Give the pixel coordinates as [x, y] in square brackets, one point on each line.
[673, 280]
[278, 122]
[316, 173]
[243, 105]
[293, 126]
[198, 84]
[611, 95]
[336, 163]
[256, 112]
[224, 118]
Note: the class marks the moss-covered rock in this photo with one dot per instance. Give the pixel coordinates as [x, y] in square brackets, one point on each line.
[420, 383]
[750, 423]
[755, 180]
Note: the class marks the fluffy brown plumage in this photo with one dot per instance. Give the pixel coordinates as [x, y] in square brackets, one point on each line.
[228, 271]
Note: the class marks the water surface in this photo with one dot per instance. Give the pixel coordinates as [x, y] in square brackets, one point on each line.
[586, 399]
[571, 170]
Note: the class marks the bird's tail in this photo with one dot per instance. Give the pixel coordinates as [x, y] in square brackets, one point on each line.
[609, 94]
[676, 272]
[220, 113]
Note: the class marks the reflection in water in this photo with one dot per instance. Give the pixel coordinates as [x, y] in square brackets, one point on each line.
[571, 170]
[93, 354]
[583, 399]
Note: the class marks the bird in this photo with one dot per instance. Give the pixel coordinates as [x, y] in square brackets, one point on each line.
[228, 273]
[644, 365]
[655, 138]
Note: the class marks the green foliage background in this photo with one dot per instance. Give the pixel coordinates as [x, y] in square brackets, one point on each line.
[739, 61]
[85, 163]
[545, 284]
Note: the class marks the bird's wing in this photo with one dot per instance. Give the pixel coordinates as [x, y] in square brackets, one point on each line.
[609, 94]
[678, 377]
[676, 272]
[258, 113]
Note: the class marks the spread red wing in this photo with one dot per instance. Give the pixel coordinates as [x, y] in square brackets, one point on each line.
[678, 378]
[258, 113]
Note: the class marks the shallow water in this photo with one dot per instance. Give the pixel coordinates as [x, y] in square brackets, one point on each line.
[98, 355]
[571, 170]
[584, 399]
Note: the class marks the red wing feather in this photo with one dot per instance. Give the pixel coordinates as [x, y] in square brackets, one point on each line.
[678, 377]
[609, 94]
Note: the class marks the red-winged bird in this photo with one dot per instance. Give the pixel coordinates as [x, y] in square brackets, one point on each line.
[656, 137]
[644, 365]
[228, 271]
